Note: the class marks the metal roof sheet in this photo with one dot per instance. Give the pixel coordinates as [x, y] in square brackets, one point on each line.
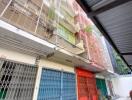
[118, 24]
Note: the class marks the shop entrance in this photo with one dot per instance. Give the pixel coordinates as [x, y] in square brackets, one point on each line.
[86, 83]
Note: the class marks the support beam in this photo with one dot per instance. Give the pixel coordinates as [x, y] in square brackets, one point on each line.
[127, 53]
[104, 8]
[95, 20]
[109, 6]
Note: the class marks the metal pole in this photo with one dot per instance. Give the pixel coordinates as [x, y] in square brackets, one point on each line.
[57, 22]
[5, 8]
[61, 85]
[39, 17]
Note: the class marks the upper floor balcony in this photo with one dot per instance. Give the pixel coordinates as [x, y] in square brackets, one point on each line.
[43, 21]
[59, 23]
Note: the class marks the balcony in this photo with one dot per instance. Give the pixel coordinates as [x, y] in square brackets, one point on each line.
[39, 20]
[54, 24]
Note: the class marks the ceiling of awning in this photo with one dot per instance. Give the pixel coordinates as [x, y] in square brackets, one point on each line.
[114, 20]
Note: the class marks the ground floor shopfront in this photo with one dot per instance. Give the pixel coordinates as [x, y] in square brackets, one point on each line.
[22, 78]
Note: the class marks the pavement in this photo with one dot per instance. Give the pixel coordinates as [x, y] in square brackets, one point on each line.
[127, 98]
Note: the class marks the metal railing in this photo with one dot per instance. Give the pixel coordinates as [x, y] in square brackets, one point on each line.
[42, 19]
[39, 20]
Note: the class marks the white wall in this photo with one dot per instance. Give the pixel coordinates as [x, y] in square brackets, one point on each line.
[54, 65]
[16, 56]
[122, 85]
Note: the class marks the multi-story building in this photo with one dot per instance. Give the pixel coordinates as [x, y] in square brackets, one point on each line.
[50, 50]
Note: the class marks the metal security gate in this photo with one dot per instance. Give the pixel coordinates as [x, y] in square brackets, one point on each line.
[101, 85]
[57, 85]
[69, 87]
[86, 83]
[16, 80]
[50, 85]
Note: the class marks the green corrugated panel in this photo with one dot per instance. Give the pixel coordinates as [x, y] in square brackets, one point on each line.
[66, 34]
[101, 85]
[104, 87]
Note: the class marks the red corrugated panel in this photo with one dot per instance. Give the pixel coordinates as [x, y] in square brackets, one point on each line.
[86, 83]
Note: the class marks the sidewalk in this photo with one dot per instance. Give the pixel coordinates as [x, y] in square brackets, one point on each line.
[123, 99]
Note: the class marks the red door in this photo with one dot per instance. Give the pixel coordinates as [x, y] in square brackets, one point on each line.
[86, 83]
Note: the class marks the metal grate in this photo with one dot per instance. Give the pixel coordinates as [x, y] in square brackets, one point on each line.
[117, 23]
[86, 83]
[16, 80]
[87, 88]
[50, 85]
[57, 85]
[69, 88]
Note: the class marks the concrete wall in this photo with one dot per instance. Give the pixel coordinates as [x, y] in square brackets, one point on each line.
[16, 56]
[122, 85]
[53, 65]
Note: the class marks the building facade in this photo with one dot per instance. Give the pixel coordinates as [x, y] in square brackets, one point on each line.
[50, 50]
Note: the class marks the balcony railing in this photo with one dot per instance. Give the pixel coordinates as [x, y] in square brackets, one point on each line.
[38, 19]
[43, 19]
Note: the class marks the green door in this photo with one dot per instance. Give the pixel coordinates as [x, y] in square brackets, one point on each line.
[101, 85]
